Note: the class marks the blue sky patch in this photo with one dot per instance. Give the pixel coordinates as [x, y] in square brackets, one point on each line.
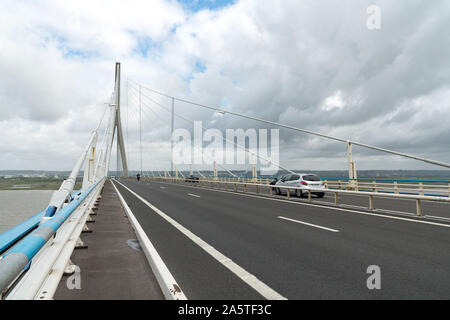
[197, 5]
[145, 45]
[199, 66]
[52, 38]
[74, 53]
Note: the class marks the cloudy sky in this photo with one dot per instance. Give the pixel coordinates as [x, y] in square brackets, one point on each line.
[312, 64]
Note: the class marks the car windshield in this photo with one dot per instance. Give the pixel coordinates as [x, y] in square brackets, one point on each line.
[311, 177]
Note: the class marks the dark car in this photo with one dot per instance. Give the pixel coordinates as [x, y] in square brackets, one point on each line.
[191, 179]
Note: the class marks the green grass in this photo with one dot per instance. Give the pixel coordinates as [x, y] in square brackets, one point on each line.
[34, 183]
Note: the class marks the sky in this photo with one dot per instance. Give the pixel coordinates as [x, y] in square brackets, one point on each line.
[311, 64]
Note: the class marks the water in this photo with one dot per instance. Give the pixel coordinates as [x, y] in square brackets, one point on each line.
[18, 205]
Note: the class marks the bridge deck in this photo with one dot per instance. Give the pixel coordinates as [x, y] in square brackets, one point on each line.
[111, 267]
[299, 250]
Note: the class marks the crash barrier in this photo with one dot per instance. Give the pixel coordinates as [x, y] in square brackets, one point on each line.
[237, 186]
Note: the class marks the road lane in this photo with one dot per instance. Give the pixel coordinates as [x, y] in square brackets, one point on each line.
[301, 263]
[246, 277]
[198, 275]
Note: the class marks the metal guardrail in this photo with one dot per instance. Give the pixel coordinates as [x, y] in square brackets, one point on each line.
[440, 188]
[385, 179]
[310, 191]
[19, 258]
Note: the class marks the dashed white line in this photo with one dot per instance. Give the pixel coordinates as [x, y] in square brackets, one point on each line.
[193, 195]
[308, 224]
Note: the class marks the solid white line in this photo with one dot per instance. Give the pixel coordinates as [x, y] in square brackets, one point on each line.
[166, 281]
[309, 224]
[194, 195]
[244, 275]
[438, 217]
[162, 187]
[325, 207]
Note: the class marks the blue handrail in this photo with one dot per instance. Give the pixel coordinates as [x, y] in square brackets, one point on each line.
[29, 246]
[16, 259]
[11, 236]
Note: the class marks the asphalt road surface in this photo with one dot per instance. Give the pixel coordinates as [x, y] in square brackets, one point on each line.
[297, 250]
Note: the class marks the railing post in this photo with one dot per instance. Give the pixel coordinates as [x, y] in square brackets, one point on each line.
[257, 189]
[336, 198]
[418, 207]
[370, 202]
[309, 195]
[374, 184]
[245, 188]
[288, 193]
[235, 187]
[421, 189]
[395, 187]
[351, 166]
[340, 184]
[271, 191]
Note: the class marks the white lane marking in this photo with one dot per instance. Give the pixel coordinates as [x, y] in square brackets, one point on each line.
[327, 207]
[162, 187]
[309, 224]
[244, 275]
[352, 206]
[193, 195]
[165, 279]
[438, 217]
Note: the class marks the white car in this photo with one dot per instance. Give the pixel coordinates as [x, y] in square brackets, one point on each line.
[304, 181]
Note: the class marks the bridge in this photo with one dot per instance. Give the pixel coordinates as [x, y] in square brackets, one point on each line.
[225, 235]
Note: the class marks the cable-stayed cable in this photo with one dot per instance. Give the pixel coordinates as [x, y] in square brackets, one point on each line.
[237, 145]
[438, 163]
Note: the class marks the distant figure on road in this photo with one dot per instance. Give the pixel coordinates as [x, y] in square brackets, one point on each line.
[138, 176]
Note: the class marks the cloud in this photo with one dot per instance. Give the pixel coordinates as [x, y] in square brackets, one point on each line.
[314, 65]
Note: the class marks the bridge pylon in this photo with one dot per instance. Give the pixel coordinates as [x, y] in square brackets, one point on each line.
[118, 123]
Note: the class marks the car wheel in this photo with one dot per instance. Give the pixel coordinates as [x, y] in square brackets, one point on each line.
[298, 193]
[320, 195]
